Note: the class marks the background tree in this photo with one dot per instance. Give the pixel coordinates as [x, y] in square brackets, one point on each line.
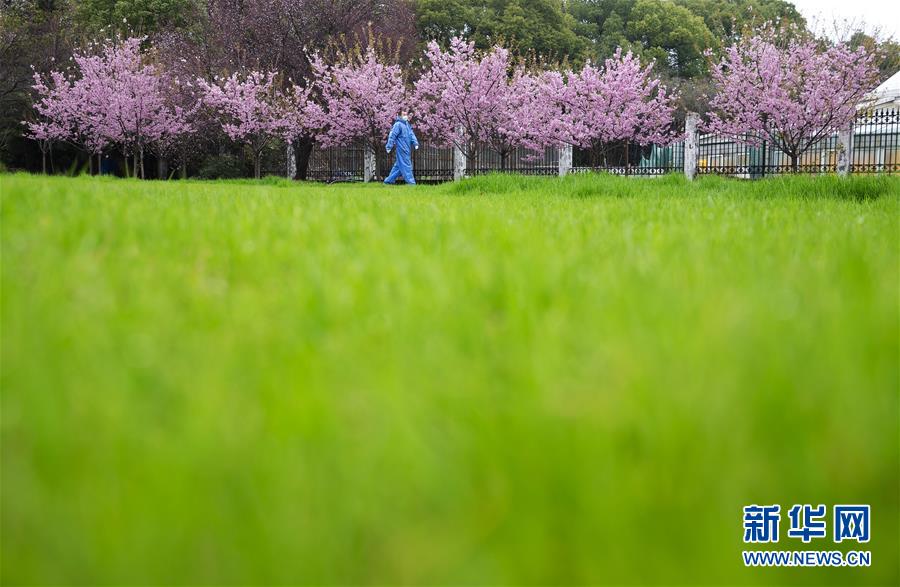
[885, 51]
[53, 122]
[70, 108]
[251, 110]
[596, 108]
[672, 36]
[792, 91]
[269, 35]
[542, 27]
[34, 35]
[113, 97]
[466, 97]
[653, 29]
[135, 93]
[142, 17]
[727, 20]
[360, 96]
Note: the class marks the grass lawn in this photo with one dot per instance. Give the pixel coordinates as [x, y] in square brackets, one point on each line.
[505, 380]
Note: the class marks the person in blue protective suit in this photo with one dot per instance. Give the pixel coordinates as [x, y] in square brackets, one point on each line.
[403, 140]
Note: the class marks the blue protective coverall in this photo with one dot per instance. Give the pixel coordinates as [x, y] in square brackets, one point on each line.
[404, 139]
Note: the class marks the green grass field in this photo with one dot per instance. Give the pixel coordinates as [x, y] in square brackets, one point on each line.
[501, 381]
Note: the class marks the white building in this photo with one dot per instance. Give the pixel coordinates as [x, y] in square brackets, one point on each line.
[876, 134]
[885, 96]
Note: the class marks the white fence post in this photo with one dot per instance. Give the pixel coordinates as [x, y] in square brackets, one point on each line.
[565, 159]
[369, 164]
[691, 150]
[459, 163]
[844, 151]
[291, 162]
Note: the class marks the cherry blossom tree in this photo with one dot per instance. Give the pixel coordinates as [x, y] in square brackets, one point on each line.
[137, 112]
[360, 96]
[111, 98]
[68, 111]
[596, 107]
[789, 89]
[53, 122]
[299, 113]
[183, 96]
[521, 118]
[465, 98]
[252, 110]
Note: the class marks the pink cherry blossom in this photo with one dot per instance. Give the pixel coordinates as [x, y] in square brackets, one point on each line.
[792, 92]
[252, 110]
[465, 98]
[360, 98]
[111, 98]
[598, 106]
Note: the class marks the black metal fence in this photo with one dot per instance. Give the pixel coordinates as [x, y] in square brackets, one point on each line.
[432, 164]
[336, 164]
[630, 159]
[875, 140]
[519, 160]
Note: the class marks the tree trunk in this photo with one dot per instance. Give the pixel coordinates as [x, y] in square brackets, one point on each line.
[302, 151]
[44, 161]
[627, 158]
[795, 163]
[90, 164]
[472, 160]
[162, 168]
[184, 168]
[127, 170]
[257, 164]
[142, 163]
[504, 160]
[52, 163]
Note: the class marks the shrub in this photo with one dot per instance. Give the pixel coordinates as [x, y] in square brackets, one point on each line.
[222, 167]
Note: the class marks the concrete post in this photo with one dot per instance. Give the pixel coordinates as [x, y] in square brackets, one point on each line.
[844, 152]
[369, 164]
[291, 162]
[691, 148]
[459, 163]
[565, 159]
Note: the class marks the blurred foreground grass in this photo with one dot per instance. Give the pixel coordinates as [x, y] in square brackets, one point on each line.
[506, 380]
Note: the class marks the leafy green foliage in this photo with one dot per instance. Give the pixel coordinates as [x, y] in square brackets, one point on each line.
[137, 16]
[222, 167]
[499, 381]
[728, 20]
[655, 29]
[671, 35]
[527, 26]
[887, 52]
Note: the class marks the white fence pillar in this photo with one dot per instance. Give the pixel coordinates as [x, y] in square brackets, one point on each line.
[844, 152]
[691, 150]
[291, 162]
[369, 164]
[565, 159]
[459, 163]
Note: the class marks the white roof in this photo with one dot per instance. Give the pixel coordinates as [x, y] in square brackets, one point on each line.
[887, 93]
[890, 85]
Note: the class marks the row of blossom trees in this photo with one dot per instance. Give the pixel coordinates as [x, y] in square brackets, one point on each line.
[111, 99]
[791, 92]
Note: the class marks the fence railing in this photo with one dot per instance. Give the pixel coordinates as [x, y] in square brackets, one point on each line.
[874, 147]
